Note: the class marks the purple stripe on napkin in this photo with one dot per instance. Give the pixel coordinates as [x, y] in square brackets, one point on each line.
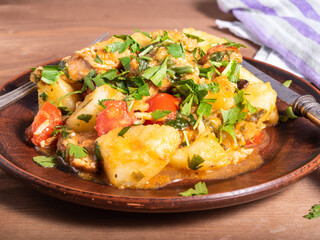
[269, 41]
[299, 25]
[306, 9]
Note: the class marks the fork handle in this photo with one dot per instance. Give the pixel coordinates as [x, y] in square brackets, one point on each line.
[306, 106]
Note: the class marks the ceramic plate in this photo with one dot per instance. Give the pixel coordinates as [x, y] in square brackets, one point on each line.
[294, 152]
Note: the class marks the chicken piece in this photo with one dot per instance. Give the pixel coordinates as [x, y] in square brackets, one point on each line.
[140, 154]
[86, 140]
[205, 146]
[77, 67]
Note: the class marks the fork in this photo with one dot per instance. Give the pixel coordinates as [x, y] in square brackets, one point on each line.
[27, 88]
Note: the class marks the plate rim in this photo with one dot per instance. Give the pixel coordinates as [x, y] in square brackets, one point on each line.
[252, 193]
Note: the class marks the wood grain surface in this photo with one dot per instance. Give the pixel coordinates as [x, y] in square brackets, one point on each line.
[33, 32]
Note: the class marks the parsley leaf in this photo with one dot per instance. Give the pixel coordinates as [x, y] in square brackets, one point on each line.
[156, 74]
[76, 151]
[199, 189]
[314, 212]
[65, 110]
[251, 108]
[97, 151]
[157, 114]
[144, 33]
[204, 109]
[287, 83]
[194, 37]
[85, 117]
[233, 115]
[175, 50]
[60, 129]
[44, 161]
[144, 90]
[51, 73]
[110, 74]
[195, 161]
[123, 131]
[183, 70]
[97, 59]
[44, 96]
[232, 71]
[125, 61]
[289, 114]
[233, 44]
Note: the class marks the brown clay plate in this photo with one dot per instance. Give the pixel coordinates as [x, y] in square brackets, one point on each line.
[294, 152]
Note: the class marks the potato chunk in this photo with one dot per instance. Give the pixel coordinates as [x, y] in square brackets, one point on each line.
[91, 107]
[55, 92]
[141, 153]
[205, 146]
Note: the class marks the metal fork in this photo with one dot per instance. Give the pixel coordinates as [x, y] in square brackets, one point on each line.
[27, 88]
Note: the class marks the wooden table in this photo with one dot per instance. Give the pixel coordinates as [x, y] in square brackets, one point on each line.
[33, 32]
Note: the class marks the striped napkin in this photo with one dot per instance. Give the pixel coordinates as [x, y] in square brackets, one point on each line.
[289, 27]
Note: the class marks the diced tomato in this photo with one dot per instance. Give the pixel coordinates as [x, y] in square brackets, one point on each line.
[114, 115]
[44, 122]
[220, 69]
[256, 140]
[163, 101]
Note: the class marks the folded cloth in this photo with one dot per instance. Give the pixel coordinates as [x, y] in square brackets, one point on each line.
[264, 54]
[289, 27]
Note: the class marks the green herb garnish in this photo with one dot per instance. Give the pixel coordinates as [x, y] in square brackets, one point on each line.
[64, 130]
[51, 73]
[175, 50]
[85, 117]
[287, 83]
[157, 114]
[44, 96]
[44, 161]
[97, 59]
[314, 212]
[97, 151]
[194, 37]
[76, 151]
[199, 189]
[289, 114]
[195, 161]
[123, 131]
[233, 44]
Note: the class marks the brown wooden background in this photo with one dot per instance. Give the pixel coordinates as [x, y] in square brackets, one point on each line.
[33, 32]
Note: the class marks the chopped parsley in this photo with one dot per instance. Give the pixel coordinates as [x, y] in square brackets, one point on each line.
[43, 161]
[64, 130]
[144, 33]
[97, 59]
[232, 71]
[287, 83]
[289, 114]
[235, 114]
[76, 151]
[44, 96]
[97, 151]
[195, 161]
[156, 74]
[51, 73]
[314, 212]
[199, 189]
[194, 37]
[233, 44]
[157, 114]
[123, 131]
[125, 61]
[175, 50]
[85, 117]
[65, 110]
[183, 70]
